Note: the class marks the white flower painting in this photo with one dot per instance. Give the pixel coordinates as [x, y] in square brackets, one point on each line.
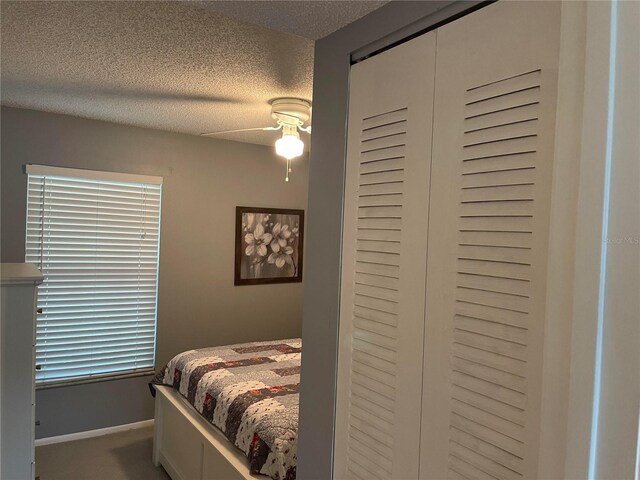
[268, 245]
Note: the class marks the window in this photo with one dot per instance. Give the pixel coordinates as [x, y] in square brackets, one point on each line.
[95, 236]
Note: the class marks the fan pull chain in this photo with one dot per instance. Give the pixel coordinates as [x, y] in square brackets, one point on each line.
[288, 167]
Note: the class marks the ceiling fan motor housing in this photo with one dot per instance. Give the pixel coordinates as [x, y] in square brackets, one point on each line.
[291, 111]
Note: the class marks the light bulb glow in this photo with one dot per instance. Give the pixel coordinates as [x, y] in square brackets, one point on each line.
[289, 146]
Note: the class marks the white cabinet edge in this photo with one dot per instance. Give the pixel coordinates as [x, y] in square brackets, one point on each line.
[20, 273]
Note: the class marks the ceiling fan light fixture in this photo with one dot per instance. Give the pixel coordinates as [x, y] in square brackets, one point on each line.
[289, 146]
[290, 114]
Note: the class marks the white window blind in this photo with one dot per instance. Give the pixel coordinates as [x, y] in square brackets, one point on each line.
[95, 237]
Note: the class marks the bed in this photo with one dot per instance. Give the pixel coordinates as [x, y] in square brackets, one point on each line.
[229, 412]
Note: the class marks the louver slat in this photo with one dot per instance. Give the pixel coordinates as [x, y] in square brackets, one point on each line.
[375, 219]
[494, 272]
[494, 122]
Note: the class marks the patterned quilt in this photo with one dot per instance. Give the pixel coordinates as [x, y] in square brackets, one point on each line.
[250, 392]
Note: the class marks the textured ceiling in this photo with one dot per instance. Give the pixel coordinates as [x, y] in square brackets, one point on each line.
[177, 66]
[307, 18]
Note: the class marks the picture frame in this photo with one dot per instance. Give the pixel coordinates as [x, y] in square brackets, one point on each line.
[268, 245]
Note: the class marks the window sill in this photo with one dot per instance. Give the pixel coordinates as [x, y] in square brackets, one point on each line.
[98, 378]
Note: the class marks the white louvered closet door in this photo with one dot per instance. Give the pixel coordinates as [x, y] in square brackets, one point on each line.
[384, 259]
[494, 115]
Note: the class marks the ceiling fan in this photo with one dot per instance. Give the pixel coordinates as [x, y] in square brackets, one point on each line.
[290, 115]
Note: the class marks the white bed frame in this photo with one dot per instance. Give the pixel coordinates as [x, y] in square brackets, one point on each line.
[188, 447]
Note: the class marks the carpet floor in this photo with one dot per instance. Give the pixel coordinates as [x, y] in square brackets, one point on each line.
[119, 456]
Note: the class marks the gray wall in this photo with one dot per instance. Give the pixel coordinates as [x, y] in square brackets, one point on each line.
[324, 227]
[198, 306]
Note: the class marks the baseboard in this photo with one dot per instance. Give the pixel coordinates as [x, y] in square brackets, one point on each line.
[93, 433]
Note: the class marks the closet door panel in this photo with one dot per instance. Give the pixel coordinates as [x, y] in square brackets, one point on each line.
[384, 264]
[494, 121]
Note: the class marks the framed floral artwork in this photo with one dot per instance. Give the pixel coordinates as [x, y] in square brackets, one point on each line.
[269, 245]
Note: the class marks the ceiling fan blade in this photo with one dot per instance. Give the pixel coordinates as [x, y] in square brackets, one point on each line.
[241, 130]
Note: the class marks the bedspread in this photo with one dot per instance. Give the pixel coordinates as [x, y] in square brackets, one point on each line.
[250, 392]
